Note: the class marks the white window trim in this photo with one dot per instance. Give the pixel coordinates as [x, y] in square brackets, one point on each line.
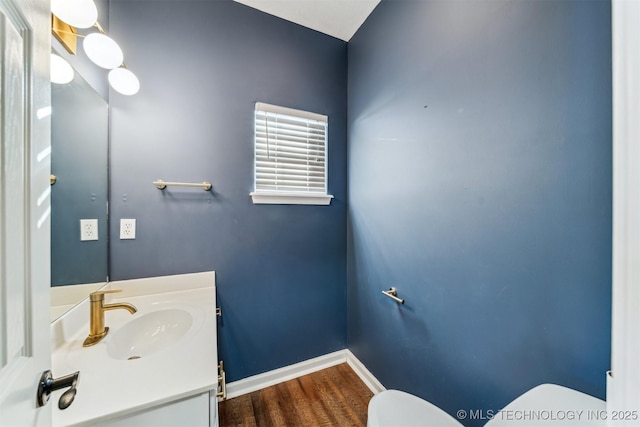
[284, 197]
[265, 198]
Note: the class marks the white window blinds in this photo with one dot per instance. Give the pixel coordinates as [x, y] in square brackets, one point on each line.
[290, 151]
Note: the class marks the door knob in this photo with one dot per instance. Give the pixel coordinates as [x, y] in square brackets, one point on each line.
[48, 384]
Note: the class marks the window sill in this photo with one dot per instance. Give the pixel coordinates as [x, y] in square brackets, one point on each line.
[290, 199]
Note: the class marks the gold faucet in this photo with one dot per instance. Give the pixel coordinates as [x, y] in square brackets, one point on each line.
[97, 330]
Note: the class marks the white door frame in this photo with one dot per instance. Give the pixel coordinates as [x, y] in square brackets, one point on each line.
[623, 383]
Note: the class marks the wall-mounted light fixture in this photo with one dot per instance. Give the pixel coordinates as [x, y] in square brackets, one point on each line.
[77, 13]
[61, 70]
[69, 15]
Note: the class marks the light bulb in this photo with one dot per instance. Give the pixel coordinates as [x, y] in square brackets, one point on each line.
[77, 13]
[61, 70]
[124, 81]
[103, 50]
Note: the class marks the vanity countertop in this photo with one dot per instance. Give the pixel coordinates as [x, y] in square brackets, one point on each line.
[109, 387]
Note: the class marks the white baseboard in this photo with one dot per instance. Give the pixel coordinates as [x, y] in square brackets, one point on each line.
[267, 379]
[365, 375]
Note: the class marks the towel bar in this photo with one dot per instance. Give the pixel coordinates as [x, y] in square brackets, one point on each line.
[161, 185]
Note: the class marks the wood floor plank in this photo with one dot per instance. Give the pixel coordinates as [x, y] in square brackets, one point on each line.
[332, 397]
[267, 407]
[314, 402]
[239, 414]
[337, 397]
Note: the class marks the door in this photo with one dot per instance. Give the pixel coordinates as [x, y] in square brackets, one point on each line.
[24, 209]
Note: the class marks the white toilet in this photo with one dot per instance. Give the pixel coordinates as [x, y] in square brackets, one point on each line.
[393, 408]
[544, 405]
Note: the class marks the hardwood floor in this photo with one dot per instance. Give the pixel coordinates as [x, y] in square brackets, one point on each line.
[333, 397]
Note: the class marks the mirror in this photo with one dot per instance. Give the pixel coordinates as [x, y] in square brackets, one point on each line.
[79, 162]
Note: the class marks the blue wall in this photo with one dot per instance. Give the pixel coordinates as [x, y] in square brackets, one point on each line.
[281, 270]
[480, 186]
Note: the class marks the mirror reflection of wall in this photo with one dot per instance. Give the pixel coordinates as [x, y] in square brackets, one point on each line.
[79, 161]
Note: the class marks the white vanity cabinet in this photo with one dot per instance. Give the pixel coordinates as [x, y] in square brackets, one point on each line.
[200, 410]
[156, 367]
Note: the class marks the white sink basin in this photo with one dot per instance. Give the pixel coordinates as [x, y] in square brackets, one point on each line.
[148, 334]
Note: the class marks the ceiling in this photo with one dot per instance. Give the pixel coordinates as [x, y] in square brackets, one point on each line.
[338, 18]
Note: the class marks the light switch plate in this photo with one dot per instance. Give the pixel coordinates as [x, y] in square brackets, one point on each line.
[88, 229]
[127, 229]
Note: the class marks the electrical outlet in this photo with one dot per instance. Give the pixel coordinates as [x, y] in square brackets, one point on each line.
[88, 229]
[127, 229]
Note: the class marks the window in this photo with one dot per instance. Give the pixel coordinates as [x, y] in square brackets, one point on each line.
[290, 156]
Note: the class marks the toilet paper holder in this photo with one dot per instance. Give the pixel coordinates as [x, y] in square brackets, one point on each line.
[393, 294]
